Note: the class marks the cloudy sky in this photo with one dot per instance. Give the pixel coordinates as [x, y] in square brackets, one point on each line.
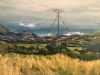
[80, 15]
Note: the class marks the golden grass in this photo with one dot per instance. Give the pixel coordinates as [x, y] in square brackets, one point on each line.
[14, 64]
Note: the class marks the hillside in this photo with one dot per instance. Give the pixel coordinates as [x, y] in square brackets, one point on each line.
[7, 35]
[27, 34]
[3, 29]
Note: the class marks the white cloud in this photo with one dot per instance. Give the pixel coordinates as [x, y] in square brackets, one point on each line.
[30, 25]
[42, 35]
[79, 33]
[21, 24]
[49, 34]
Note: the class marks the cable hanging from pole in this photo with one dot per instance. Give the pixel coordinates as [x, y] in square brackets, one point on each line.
[46, 6]
[65, 25]
[58, 18]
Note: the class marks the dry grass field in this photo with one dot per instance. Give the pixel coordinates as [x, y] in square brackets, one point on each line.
[15, 64]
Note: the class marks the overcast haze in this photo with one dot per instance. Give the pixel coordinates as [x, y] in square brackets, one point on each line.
[83, 14]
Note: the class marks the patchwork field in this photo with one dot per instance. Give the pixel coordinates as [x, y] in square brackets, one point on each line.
[73, 48]
[15, 64]
[34, 45]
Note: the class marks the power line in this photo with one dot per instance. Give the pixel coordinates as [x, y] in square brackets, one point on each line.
[58, 17]
[65, 25]
[58, 11]
[46, 6]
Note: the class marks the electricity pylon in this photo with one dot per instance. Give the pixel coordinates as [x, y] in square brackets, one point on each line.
[58, 12]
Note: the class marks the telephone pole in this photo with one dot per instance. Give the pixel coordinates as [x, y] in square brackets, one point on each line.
[58, 11]
[58, 34]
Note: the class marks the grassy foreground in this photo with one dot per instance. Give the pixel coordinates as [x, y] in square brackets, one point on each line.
[15, 64]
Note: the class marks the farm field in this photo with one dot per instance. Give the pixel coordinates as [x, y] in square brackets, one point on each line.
[73, 48]
[44, 46]
[15, 64]
[34, 45]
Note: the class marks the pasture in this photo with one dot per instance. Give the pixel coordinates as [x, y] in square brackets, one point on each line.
[32, 45]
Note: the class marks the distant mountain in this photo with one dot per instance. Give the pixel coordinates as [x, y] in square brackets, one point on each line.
[6, 34]
[26, 34]
[3, 30]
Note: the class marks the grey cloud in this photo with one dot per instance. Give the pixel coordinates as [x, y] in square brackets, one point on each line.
[84, 16]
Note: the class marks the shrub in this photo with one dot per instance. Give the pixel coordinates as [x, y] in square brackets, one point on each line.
[73, 54]
[51, 48]
[43, 51]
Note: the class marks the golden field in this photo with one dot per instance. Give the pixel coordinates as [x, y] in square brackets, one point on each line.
[15, 64]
